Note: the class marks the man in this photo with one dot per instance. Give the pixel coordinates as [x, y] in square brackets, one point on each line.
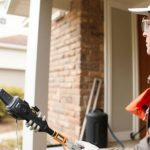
[144, 144]
[145, 24]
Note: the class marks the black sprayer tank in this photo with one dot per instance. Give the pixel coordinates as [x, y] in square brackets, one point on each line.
[96, 128]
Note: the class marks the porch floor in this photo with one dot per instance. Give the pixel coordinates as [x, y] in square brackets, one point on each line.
[128, 144]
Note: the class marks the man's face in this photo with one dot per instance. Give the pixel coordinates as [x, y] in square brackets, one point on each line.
[146, 33]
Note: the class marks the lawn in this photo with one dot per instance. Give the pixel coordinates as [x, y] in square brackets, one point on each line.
[8, 125]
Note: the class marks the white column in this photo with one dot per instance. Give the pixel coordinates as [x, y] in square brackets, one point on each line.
[37, 69]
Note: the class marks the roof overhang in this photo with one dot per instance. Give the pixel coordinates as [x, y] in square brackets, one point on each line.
[21, 7]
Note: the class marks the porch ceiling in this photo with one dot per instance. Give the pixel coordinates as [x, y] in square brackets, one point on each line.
[21, 7]
[133, 3]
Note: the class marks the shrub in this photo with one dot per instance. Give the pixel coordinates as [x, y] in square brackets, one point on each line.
[15, 91]
[11, 144]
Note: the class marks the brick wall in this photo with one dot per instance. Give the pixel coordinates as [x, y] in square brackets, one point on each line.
[76, 58]
[92, 63]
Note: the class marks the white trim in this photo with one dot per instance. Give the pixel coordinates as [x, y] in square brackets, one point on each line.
[135, 67]
[13, 46]
[12, 68]
[107, 61]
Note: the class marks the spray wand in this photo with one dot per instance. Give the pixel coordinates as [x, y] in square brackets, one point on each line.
[21, 110]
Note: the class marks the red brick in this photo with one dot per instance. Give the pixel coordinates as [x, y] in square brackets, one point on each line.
[76, 58]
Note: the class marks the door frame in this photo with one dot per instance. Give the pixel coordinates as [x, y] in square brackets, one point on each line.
[108, 4]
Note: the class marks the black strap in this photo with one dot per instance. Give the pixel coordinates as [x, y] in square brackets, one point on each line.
[148, 140]
[148, 124]
[148, 117]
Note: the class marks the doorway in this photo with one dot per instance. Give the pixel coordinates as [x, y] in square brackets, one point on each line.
[118, 69]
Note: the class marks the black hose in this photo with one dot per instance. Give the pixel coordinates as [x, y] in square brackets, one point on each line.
[114, 136]
[55, 145]
[133, 135]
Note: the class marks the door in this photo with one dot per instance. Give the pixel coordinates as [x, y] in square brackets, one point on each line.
[118, 69]
[121, 72]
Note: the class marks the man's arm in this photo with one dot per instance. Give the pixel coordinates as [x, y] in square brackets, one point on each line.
[144, 144]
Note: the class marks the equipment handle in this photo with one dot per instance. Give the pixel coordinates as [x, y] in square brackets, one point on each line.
[5, 97]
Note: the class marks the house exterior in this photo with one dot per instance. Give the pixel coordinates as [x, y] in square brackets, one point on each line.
[92, 39]
[13, 59]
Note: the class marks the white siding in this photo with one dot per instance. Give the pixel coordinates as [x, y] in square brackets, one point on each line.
[12, 78]
[12, 66]
[12, 59]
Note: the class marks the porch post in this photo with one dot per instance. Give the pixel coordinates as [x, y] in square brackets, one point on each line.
[37, 69]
